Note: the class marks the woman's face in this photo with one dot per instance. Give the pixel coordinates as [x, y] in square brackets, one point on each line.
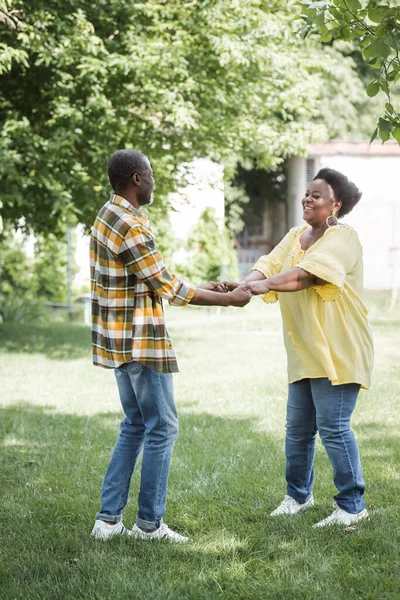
[319, 202]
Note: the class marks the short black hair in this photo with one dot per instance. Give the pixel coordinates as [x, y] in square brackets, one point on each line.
[122, 165]
[344, 190]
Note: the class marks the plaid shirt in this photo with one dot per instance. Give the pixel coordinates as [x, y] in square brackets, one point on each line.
[128, 281]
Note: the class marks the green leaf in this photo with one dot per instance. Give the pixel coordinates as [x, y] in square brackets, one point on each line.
[377, 49]
[373, 136]
[320, 18]
[396, 134]
[385, 129]
[326, 34]
[354, 5]
[304, 31]
[376, 14]
[390, 109]
[373, 88]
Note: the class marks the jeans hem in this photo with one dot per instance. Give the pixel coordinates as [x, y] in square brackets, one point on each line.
[109, 518]
[148, 524]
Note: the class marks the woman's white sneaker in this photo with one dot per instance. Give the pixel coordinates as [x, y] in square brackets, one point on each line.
[162, 533]
[341, 517]
[290, 506]
[104, 531]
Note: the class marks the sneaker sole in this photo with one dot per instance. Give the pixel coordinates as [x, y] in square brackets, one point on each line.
[288, 514]
[358, 520]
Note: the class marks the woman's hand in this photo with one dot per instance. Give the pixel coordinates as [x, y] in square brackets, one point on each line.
[214, 286]
[257, 287]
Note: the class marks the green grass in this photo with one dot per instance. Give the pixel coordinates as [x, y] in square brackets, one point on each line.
[59, 421]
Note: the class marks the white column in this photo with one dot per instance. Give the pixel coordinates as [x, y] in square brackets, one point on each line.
[296, 187]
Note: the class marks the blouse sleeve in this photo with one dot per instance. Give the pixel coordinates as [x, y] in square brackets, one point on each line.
[332, 259]
[272, 263]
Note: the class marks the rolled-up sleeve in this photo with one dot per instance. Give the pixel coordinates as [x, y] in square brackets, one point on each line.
[139, 254]
[272, 263]
[332, 259]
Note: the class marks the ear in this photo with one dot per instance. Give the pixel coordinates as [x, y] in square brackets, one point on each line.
[136, 179]
[338, 206]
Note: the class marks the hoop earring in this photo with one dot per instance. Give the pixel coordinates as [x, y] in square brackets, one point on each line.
[332, 221]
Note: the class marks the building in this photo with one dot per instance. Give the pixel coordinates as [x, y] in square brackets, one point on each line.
[375, 169]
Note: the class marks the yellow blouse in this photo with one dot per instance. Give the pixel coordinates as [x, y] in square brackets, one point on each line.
[325, 327]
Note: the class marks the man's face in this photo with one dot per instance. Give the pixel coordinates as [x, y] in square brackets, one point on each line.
[145, 183]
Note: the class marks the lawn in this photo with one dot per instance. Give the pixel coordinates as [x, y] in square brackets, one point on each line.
[59, 422]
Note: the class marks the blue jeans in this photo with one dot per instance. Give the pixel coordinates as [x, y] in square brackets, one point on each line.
[151, 423]
[317, 405]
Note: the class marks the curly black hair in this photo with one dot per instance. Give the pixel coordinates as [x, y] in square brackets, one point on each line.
[122, 165]
[344, 190]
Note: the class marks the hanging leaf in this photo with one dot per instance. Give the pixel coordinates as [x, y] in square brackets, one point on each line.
[377, 49]
[354, 5]
[373, 88]
[396, 134]
[375, 14]
[373, 137]
[385, 129]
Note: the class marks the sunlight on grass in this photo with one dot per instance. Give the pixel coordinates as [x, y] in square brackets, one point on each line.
[60, 419]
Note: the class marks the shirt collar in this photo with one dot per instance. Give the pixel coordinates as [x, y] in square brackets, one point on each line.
[121, 201]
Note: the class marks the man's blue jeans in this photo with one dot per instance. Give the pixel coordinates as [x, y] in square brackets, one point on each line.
[317, 405]
[151, 423]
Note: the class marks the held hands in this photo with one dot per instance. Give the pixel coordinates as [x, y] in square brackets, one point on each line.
[257, 287]
[215, 286]
[254, 287]
[239, 296]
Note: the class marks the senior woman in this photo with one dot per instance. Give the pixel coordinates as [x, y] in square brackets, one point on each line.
[316, 273]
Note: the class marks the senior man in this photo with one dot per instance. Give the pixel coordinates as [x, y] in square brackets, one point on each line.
[129, 281]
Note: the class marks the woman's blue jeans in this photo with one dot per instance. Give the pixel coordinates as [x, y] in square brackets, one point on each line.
[317, 405]
[151, 423]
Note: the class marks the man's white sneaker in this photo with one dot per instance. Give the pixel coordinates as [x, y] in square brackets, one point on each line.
[341, 517]
[104, 531]
[163, 532]
[290, 506]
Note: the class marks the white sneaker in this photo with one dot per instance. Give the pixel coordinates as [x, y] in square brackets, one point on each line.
[290, 506]
[341, 517]
[163, 532]
[104, 531]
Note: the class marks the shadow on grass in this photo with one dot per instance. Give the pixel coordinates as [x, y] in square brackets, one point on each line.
[225, 479]
[61, 341]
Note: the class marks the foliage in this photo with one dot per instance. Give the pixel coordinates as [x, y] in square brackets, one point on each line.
[373, 26]
[27, 281]
[49, 273]
[210, 250]
[17, 309]
[15, 266]
[177, 80]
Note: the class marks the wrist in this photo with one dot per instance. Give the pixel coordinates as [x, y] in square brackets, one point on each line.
[226, 299]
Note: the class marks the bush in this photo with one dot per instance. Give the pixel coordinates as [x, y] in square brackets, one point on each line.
[14, 309]
[211, 253]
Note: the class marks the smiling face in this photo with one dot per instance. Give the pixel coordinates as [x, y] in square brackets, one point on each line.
[319, 202]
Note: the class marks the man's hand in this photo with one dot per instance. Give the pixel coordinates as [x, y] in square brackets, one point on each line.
[240, 297]
[229, 286]
[257, 287]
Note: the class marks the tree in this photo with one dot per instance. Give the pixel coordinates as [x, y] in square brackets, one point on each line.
[374, 27]
[211, 255]
[176, 79]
